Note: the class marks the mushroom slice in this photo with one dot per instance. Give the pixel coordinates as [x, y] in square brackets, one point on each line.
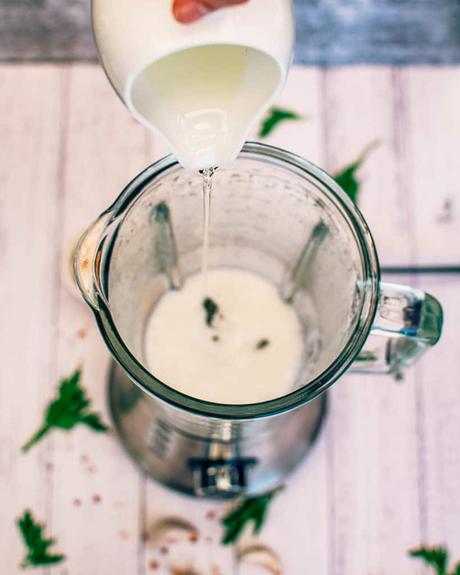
[168, 529]
[263, 556]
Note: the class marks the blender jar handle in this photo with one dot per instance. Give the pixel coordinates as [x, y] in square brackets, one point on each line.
[407, 322]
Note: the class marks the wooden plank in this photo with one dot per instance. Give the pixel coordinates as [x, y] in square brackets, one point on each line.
[298, 541]
[373, 453]
[29, 216]
[205, 554]
[97, 492]
[432, 98]
[329, 33]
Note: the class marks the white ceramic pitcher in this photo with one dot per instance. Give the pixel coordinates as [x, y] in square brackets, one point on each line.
[201, 86]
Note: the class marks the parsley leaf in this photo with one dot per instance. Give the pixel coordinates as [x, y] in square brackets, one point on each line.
[162, 213]
[346, 178]
[211, 309]
[436, 557]
[274, 117]
[67, 410]
[250, 510]
[366, 356]
[262, 343]
[37, 545]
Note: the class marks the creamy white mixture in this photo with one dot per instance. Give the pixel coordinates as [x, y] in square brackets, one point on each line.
[251, 352]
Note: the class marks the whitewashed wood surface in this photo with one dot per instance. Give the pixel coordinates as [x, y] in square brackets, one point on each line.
[385, 473]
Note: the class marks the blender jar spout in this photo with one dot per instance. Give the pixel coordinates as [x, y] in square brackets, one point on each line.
[84, 258]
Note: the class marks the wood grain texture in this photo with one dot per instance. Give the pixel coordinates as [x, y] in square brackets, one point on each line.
[373, 469]
[96, 491]
[29, 219]
[433, 136]
[329, 32]
[384, 474]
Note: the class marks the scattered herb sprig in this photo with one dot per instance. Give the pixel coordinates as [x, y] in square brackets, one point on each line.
[436, 557]
[70, 408]
[366, 356]
[211, 309]
[347, 177]
[273, 118]
[250, 510]
[37, 553]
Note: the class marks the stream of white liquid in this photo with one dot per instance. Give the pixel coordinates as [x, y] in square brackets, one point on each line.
[207, 199]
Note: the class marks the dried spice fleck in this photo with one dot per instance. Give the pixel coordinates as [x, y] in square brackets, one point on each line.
[164, 550]
[81, 333]
[153, 565]
[193, 538]
[76, 502]
[97, 498]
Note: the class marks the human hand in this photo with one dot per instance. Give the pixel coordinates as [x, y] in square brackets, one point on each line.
[187, 11]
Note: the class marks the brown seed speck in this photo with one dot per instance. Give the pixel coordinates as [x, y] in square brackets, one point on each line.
[83, 459]
[211, 514]
[153, 565]
[215, 570]
[209, 539]
[164, 550]
[81, 333]
[215, 338]
[193, 538]
[97, 499]
[76, 502]
[92, 468]
[124, 535]
[49, 467]
[183, 571]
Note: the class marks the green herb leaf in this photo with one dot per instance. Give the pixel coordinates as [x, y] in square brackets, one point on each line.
[70, 408]
[273, 118]
[211, 309]
[456, 570]
[347, 177]
[162, 212]
[366, 356]
[250, 510]
[436, 557]
[37, 545]
[262, 343]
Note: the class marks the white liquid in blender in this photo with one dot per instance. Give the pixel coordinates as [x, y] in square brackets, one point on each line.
[247, 350]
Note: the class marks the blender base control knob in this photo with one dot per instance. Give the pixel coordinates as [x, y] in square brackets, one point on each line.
[221, 477]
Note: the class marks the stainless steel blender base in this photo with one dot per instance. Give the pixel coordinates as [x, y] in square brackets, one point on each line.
[209, 466]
